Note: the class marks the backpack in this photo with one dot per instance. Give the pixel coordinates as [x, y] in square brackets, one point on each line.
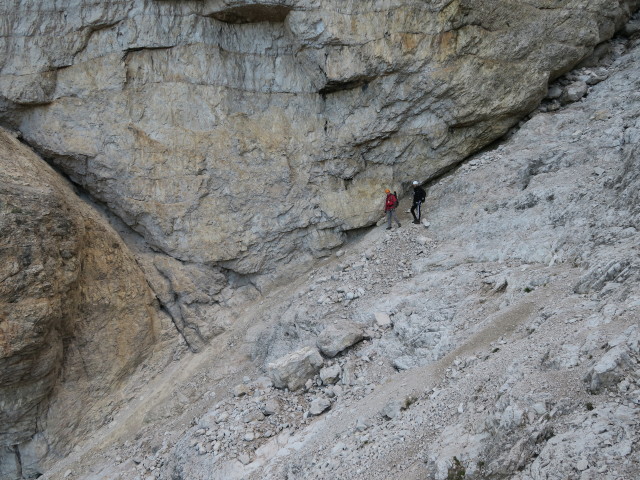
[392, 200]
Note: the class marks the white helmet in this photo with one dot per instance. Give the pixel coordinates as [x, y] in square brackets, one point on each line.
[415, 182]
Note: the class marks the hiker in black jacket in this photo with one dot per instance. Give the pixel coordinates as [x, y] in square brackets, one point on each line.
[419, 196]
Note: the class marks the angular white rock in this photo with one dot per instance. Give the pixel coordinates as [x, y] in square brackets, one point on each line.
[293, 370]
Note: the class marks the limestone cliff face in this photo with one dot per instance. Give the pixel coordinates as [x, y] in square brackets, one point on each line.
[239, 138]
[250, 134]
[76, 314]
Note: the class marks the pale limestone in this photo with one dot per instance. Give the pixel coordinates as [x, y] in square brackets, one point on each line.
[293, 370]
[253, 134]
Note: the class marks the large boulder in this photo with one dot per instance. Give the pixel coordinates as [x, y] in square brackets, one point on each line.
[293, 370]
[254, 133]
[336, 338]
[72, 300]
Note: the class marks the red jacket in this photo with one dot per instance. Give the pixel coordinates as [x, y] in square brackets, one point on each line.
[391, 203]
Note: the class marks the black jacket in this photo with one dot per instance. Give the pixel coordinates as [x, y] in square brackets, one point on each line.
[419, 194]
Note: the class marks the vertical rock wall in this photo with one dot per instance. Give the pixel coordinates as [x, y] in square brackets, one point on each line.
[76, 314]
[253, 134]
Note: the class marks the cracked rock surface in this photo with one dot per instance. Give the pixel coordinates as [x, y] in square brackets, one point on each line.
[76, 314]
[500, 337]
[253, 135]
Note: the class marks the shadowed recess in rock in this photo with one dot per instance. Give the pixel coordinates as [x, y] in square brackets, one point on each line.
[336, 86]
[253, 14]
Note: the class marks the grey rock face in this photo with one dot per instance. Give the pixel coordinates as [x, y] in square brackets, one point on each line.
[513, 232]
[238, 138]
[253, 134]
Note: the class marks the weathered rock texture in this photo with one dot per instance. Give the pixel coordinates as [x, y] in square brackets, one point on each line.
[513, 319]
[501, 341]
[252, 134]
[237, 137]
[76, 314]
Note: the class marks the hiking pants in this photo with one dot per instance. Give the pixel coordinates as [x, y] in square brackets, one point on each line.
[392, 213]
[416, 207]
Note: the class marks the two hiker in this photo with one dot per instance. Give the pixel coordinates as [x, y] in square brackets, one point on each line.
[391, 203]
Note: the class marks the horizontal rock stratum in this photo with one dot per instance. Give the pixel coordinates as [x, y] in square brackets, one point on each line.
[254, 134]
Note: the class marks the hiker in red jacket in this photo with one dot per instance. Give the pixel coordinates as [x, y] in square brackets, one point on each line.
[390, 205]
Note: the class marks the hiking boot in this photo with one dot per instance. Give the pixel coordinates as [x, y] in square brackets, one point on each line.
[388, 228]
[417, 222]
[399, 225]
